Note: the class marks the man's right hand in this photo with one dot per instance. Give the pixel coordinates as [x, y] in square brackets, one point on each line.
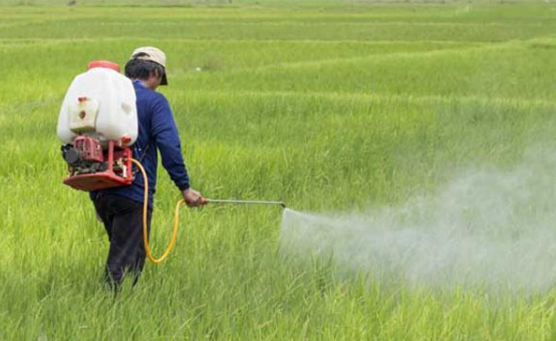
[193, 198]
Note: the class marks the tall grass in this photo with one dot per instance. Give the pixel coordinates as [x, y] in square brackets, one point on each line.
[344, 108]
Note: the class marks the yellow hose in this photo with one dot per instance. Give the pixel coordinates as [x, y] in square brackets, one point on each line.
[145, 210]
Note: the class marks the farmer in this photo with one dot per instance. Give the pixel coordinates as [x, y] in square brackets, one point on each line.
[121, 208]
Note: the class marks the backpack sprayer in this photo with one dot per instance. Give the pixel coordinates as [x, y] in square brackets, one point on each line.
[98, 125]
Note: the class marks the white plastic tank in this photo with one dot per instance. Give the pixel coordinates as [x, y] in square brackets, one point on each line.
[101, 104]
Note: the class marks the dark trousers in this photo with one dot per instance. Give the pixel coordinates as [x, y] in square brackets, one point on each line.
[123, 221]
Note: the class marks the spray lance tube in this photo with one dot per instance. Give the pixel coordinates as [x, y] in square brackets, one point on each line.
[243, 202]
[177, 215]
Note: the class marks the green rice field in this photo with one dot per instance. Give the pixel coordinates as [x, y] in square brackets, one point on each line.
[331, 106]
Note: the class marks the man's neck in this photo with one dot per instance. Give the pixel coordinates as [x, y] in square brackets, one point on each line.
[143, 83]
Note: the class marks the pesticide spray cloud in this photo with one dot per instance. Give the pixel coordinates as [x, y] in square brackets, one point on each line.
[486, 228]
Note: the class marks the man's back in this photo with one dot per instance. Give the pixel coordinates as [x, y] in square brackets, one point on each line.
[157, 130]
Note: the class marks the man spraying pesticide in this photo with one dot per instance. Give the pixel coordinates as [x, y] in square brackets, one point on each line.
[109, 124]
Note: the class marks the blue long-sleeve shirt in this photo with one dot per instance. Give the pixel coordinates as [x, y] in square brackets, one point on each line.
[157, 130]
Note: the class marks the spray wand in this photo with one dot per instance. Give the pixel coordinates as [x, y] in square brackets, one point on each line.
[242, 202]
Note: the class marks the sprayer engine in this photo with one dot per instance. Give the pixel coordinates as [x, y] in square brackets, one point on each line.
[93, 169]
[84, 156]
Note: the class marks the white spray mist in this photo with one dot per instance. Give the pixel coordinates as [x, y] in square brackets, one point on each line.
[486, 228]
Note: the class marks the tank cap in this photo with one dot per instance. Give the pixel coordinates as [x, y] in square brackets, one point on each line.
[104, 63]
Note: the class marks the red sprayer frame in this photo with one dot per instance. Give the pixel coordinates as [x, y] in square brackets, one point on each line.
[107, 178]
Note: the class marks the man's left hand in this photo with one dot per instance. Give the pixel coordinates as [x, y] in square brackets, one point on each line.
[193, 198]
